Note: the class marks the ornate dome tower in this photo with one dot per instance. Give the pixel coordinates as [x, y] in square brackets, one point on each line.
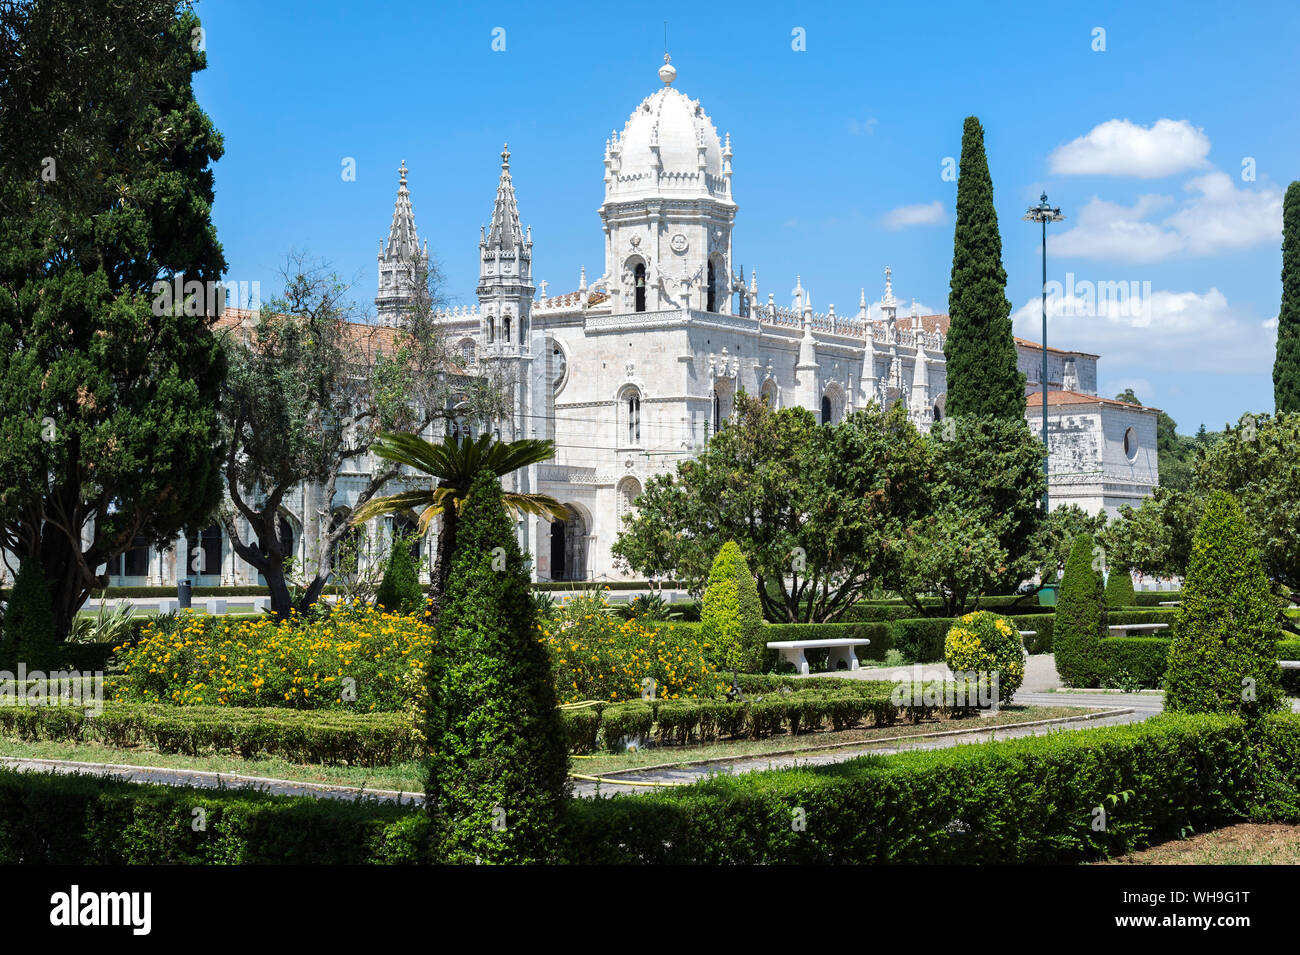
[668, 210]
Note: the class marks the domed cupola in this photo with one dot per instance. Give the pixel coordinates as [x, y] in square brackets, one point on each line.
[668, 209]
[669, 146]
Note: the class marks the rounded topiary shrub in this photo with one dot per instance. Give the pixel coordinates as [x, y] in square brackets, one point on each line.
[984, 643]
[1080, 620]
[1119, 589]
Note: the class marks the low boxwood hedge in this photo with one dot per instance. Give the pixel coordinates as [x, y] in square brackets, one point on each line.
[55, 819]
[1029, 800]
[1139, 662]
[306, 736]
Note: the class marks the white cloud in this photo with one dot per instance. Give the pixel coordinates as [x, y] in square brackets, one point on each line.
[929, 213]
[863, 127]
[1217, 217]
[1154, 331]
[1121, 148]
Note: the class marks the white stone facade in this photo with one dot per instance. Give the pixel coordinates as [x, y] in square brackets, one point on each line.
[633, 372]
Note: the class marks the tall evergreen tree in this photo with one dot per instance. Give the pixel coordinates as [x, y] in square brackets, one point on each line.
[108, 380]
[1224, 653]
[498, 768]
[981, 353]
[1080, 620]
[1286, 366]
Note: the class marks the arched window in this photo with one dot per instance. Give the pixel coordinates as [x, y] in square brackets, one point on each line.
[491, 328]
[768, 393]
[467, 352]
[711, 303]
[633, 418]
[638, 283]
[826, 409]
[523, 329]
[717, 412]
[505, 329]
[629, 489]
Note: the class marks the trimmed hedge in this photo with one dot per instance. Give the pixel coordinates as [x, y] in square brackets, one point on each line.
[774, 704]
[54, 819]
[301, 736]
[1028, 800]
[1141, 661]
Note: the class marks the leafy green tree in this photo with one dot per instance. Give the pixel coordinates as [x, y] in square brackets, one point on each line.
[1057, 533]
[310, 387]
[979, 519]
[1224, 653]
[983, 378]
[731, 615]
[28, 632]
[450, 467]
[1255, 462]
[1080, 620]
[400, 590]
[108, 379]
[1119, 588]
[1286, 366]
[498, 770]
[815, 509]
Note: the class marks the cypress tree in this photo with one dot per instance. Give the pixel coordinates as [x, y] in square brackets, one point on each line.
[497, 784]
[981, 353]
[1119, 589]
[399, 592]
[1286, 366]
[29, 635]
[1223, 657]
[1080, 620]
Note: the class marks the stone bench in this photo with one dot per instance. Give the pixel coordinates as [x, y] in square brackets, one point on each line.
[1289, 664]
[841, 651]
[1124, 629]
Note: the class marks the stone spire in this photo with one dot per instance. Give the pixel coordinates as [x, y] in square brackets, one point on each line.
[505, 232]
[889, 304]
[402, 239]
[400, 258]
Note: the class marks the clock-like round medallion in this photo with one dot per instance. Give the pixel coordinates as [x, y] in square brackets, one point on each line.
[679, 243]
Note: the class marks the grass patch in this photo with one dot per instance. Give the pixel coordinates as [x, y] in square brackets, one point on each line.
[1244, 844]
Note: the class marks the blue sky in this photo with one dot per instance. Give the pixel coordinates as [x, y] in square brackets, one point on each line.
[1168, 151]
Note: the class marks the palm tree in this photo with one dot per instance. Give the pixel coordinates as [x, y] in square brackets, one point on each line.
[452, 464]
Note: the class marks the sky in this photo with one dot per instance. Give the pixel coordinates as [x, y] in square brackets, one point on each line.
[1165, 132]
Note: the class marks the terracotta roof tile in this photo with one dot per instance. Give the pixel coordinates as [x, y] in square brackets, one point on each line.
[1058, 398]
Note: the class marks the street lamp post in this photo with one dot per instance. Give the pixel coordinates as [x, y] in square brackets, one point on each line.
[1044, 213]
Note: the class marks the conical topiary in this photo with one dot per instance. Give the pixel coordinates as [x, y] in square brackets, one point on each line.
[497, 784]
[1080, 620]
[1223, 658]
[399, 592]
[731, 614]
[1119, 589]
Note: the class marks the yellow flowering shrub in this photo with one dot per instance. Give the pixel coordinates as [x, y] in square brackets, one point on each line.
[983, 643]
[355, 658]
[596, 656]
